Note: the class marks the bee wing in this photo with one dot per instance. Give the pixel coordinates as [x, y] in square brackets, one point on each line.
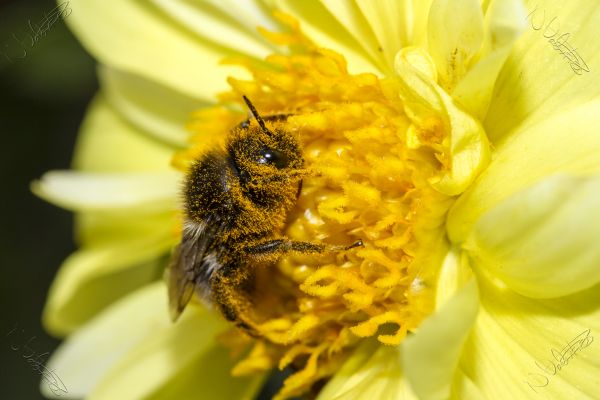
[183, 270]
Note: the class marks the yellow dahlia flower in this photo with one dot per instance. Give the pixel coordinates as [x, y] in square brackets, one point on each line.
[456, 138]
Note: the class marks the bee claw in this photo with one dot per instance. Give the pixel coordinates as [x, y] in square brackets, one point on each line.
[358, 243]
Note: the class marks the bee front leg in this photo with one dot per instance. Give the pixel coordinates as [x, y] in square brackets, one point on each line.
[275, 248]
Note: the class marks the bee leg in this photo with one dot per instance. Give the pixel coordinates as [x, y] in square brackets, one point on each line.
[272, 249]
[228, 288]
[229, 284]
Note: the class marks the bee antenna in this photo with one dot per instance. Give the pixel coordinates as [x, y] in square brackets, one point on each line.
[256, 115]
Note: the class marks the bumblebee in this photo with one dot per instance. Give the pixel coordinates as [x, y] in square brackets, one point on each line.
[236, 201]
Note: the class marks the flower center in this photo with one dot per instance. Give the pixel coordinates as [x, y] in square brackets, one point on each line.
[373, 169]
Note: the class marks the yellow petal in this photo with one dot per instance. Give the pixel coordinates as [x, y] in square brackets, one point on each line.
[184, 353]
[552, 68]
[321, 27]
[454, 274]
[426, 101]
[209, 377]
[122, 249]
[372, 372]
[420, 22]
[88, 191]
[157, 110]
[133, 327]
[391, 21]
[107, 143]
[349, 15]
[247, 14]
[504, 21]
[567, 142]
[431, 355]
[543, 241]
[455, 35]
[139, 38]
[226, 23]
[464, 387]
[82, 360]
[522, 348]
[95, 276]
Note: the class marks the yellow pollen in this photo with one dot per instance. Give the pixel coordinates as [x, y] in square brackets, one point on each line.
[371, 180]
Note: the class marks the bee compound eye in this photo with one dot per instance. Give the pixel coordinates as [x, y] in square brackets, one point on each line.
[273, 157]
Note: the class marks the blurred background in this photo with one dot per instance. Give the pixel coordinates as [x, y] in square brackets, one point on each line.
[44, 91]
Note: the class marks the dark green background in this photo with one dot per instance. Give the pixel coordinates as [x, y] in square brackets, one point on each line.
[43, 97]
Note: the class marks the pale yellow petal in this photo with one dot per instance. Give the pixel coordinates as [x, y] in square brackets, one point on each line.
[95, 276]
[543, 241]
[248, 14]
[566, 143]
[391, 21]
[139, 38]
[372, 372]
[322, 28]
[209, 377]
[152, 367]
[425, 102]
[455, 35]
[552, 68]
[228, 24]
[464, 387]
[107, 143]
[522, 348]
[504, 22]
[82, 360]
[430, 356]
[420, 22]
[191, 363]
[157, 110]
[454, 274]
[125, 192]
[122, 249]
[349, 15]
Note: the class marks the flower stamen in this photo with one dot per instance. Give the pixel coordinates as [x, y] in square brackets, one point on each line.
[373, 161]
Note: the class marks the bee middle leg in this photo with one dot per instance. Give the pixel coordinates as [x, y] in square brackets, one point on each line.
[231, 283]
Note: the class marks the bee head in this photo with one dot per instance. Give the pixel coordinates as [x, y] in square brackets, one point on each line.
[268, 159]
